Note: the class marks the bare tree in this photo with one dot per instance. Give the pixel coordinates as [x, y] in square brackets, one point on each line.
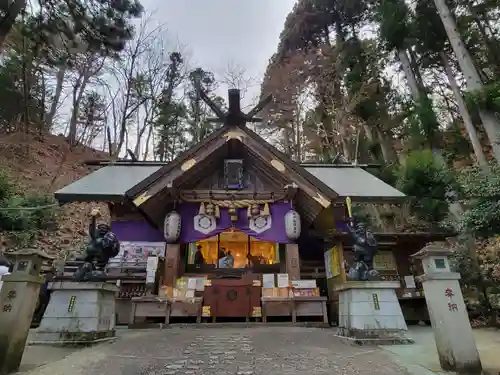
[235, 76]
[140, 75]
[87, 67]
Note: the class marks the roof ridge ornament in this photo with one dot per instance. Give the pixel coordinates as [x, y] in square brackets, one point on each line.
[233, 116]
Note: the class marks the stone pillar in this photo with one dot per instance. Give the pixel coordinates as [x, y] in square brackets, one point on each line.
[292, 261]
[453, 334]
[370, 311]
[78, 313]
[172, 260]
[18, 299]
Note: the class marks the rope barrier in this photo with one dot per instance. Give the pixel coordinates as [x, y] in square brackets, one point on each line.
[29, 208]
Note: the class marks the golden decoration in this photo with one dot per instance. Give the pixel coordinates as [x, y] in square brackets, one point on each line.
[278, 165]
[234, 134]
[233, 212]
[256, 283]
[257, 312]
[265, 211]
[210, 209]
[206, 312]
[188, 164]
[322, 200]
[142, 198]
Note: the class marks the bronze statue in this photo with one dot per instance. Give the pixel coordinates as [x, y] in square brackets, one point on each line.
[102, 246]
[364, 248]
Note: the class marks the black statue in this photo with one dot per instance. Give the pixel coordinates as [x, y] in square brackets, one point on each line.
[102, 246]
[364, 248]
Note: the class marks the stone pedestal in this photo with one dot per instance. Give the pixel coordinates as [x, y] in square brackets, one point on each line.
[18, 299]
[453, 334]
[78, 313]
[370, 311]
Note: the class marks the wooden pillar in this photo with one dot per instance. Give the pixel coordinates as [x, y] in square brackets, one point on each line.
[172, 260]
[292, 261]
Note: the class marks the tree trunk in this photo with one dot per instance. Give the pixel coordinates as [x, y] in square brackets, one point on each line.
[388, 152]
[416, 70]
[9, 20]
[410, 76]
[61, 72]
[148, 139]
[464, 112]
[471, 75]
[77, 98]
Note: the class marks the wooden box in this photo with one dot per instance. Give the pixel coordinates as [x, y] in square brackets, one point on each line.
[148, 307]
[277, 306]
[188, 308]
[311, 306]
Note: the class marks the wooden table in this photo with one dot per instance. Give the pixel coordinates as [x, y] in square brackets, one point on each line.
[278, 306]
[311, 306]
[184, 308]
[148, 307]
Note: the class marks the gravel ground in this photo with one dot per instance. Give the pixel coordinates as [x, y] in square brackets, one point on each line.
[238, 351]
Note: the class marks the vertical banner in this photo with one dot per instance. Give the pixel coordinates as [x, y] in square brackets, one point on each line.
[332, 262]
[336, 261]
[151, 266]
[328, 264]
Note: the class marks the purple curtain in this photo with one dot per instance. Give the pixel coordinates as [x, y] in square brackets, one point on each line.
[136, 231]
[276, 233]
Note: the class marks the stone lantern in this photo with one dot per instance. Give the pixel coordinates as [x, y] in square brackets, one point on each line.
[453, 335]
[18, 299]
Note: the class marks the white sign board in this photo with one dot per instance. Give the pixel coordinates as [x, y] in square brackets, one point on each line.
[138, 252]
[328, 264]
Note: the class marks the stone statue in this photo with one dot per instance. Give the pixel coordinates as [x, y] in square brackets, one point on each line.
[364, 248]
[102, 246]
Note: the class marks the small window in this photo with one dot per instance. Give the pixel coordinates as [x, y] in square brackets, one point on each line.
[244, 249]
[440, 263]
[233, 174]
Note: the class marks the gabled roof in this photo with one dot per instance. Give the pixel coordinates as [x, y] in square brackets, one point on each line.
[325, 183]
[355, 182]
[166, 175]
[109, 183]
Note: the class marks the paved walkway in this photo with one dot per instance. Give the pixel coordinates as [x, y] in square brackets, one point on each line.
[422, 356]
[224, 351]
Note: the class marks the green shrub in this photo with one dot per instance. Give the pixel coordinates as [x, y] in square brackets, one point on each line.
[19, 216]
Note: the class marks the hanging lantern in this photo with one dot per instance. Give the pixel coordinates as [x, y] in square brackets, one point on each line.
[210, 209]
[172, 227]
[255, 210]
[292, 224]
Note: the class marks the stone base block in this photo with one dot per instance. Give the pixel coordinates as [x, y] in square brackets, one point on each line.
[78, 313]
[369, 312]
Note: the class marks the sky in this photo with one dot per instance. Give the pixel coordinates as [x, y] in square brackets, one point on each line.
[222, 33]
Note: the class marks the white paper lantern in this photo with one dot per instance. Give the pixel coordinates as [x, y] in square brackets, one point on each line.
[172, 227]
[292, 224]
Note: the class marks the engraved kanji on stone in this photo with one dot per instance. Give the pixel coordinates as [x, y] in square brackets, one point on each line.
[7, 308]
[11, 294]
[448, 293]
[452, 306]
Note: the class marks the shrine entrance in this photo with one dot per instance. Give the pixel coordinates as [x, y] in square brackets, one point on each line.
[246, 250]
[232, 292]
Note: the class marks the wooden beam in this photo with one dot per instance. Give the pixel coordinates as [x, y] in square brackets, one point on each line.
[255, 147]
[168, 179]
[220, 194]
